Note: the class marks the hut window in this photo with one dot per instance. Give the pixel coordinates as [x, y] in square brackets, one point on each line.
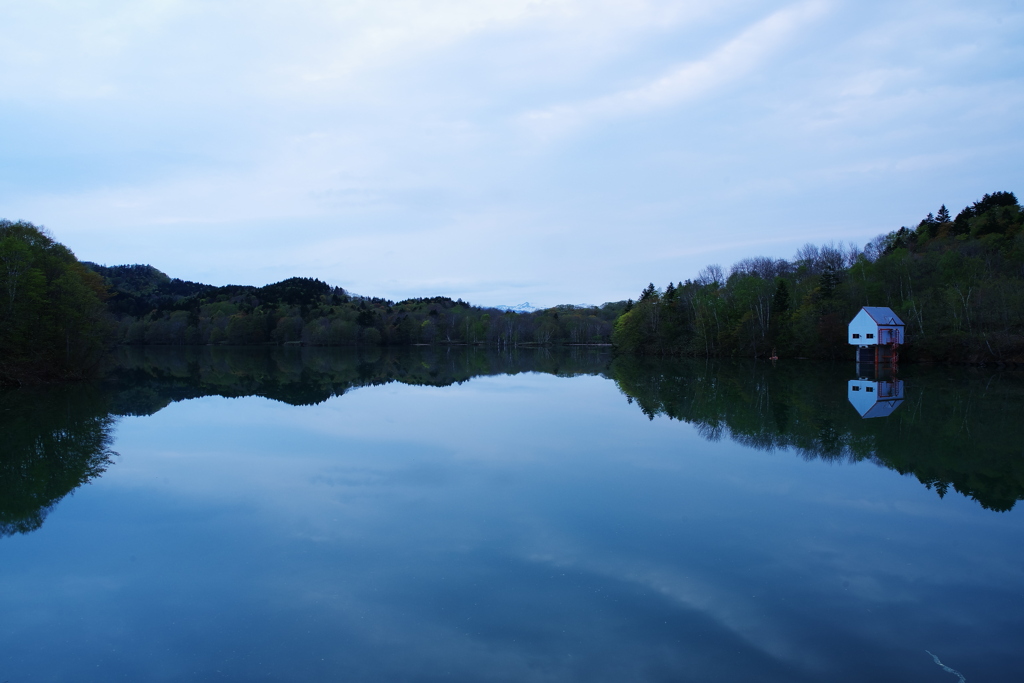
[869, 388]
[870, 336]
[856, 336]
[856, 388]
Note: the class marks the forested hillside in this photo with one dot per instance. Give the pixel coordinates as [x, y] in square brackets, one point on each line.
[52, 317]
[957, 283]
[151, 308]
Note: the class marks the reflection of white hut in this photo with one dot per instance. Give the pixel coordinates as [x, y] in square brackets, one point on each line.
[877, 331]
[875, 399]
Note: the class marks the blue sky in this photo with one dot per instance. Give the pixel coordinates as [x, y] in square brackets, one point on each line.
[555, 151]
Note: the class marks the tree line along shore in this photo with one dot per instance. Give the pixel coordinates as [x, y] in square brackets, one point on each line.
[958, 283]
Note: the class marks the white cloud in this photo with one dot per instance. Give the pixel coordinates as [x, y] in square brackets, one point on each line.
[304, 48]
[724, 65]
[292, 131]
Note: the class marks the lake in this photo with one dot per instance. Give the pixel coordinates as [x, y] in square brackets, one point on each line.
[453, 514]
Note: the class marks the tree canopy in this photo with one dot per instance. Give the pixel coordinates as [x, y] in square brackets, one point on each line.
[52, 315]
[148, 307]
[958, 284]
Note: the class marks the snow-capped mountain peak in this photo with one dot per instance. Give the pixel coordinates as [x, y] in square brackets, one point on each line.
[524, 307]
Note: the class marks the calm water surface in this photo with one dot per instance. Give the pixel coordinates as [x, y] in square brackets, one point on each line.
[431, 515]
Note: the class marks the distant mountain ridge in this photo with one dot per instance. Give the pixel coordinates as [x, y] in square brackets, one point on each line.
[525, 307]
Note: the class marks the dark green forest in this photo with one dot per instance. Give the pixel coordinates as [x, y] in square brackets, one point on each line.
[148, 307]
[52, 315]
[958, 284]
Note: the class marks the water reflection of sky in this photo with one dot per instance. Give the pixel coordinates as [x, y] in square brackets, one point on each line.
[520, 528]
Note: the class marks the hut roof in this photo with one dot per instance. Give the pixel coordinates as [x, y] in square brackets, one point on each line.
[883, 315]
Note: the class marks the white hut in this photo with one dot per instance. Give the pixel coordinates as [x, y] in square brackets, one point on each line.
[875, 399]
[876, 325]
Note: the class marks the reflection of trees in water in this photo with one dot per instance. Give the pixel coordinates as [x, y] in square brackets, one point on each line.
[58, 438]
[148, 377]
[960, 428]
[54, 440]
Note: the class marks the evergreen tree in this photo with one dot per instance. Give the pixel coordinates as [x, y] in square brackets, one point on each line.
[780, 302]
[927, 227]
[828, 282]
[993, 201]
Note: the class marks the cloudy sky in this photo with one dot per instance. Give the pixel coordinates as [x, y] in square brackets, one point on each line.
[551, 151]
